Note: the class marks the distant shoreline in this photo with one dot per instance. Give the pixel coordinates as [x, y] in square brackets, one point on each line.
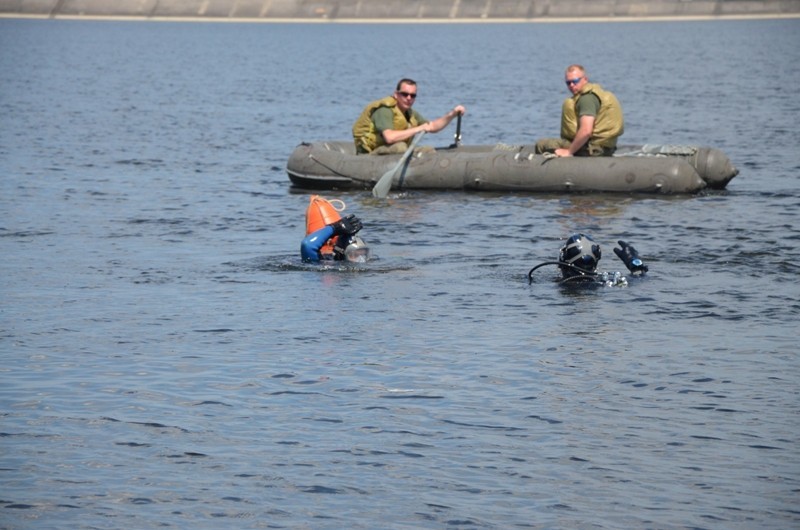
[301, 20]
[401, 11]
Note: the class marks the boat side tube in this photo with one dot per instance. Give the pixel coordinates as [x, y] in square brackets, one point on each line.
[713, 166]
[521, 170]
[647, 169]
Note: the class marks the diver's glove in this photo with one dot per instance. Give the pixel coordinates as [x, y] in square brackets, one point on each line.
[342, 242]
[630, 258]
[346, 226]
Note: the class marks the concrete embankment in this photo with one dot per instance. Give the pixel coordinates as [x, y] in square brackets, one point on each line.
[409, 10]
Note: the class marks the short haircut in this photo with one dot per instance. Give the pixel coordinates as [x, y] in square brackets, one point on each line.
[575, 67]
[405, 81]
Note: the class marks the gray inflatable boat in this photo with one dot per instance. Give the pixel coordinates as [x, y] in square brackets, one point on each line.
[514, 168]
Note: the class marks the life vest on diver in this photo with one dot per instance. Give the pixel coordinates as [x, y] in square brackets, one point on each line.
[320, 213]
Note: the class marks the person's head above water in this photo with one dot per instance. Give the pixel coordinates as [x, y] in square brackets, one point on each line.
[579, 256]
[352, 249]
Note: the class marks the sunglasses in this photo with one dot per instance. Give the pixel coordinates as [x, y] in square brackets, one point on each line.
[575, 81]
[412, 95]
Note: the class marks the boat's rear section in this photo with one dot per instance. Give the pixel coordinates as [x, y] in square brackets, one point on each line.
[713, 166]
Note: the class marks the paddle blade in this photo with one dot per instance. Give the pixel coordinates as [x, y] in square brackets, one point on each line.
[381, 189]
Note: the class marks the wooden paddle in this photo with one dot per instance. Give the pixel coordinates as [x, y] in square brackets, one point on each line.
[381, 189]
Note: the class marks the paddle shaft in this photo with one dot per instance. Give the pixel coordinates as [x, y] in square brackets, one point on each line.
[381, 189]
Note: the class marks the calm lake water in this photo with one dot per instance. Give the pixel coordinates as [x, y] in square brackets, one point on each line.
[167, 361]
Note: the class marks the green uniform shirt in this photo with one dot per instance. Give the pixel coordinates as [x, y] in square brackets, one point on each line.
[588, 105]
[383, 118]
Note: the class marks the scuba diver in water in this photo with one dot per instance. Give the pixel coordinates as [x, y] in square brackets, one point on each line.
[329, 236]
[578, 260]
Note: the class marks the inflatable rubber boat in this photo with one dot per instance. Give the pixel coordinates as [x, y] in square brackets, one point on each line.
[513, 168]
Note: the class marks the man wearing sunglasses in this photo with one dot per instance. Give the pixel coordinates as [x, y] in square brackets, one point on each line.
[591, 120]
[387, 125]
